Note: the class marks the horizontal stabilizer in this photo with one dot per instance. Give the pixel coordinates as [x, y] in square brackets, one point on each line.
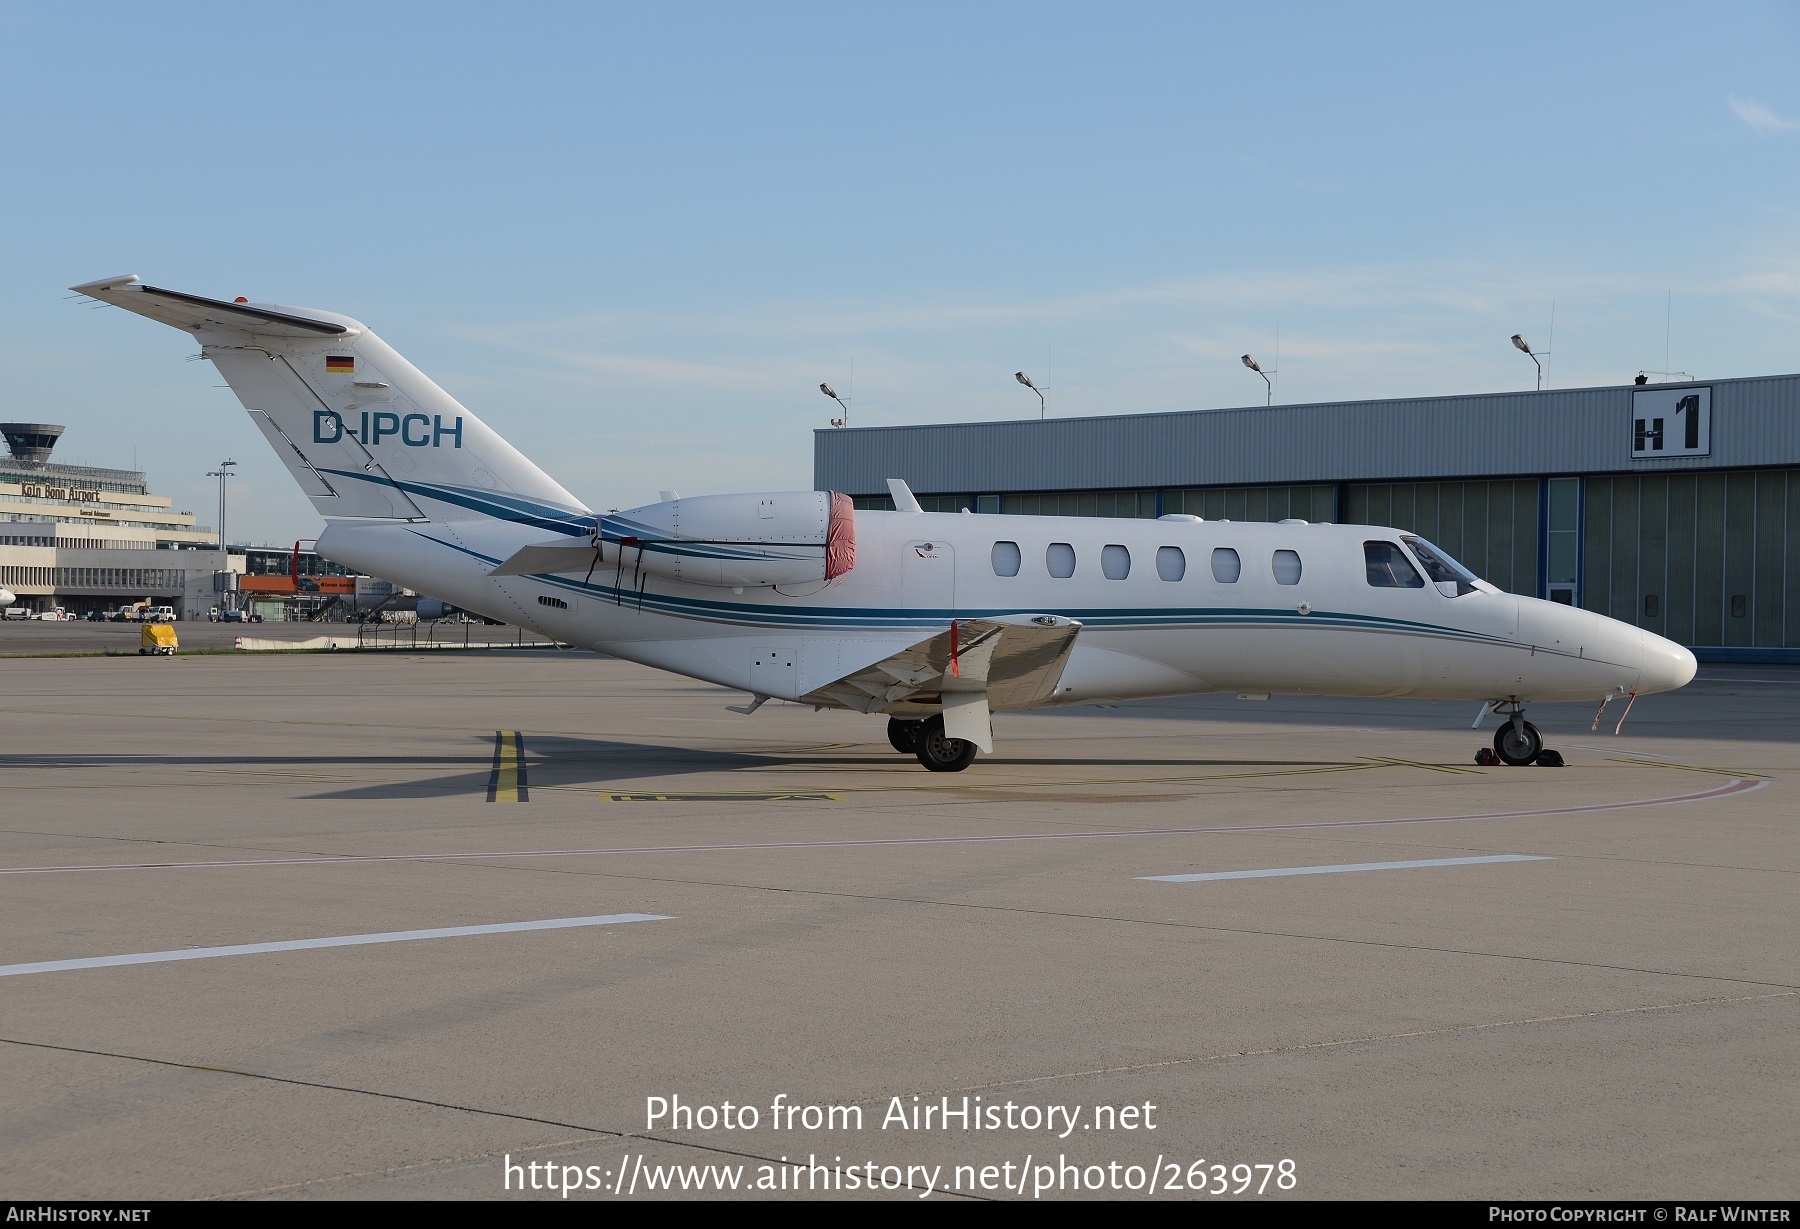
[198, 314]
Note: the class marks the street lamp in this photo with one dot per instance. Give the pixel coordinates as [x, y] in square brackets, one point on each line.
[832, 393]
[1024, 379]
[1524, 347]
[221, 473]
[1250, 362]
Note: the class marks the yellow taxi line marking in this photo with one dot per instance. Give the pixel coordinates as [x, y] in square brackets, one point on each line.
[506, 783]
[1382, 759]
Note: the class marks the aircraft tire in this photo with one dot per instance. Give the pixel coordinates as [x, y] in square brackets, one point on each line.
[1518, 748]
[903, 736]
[940, 753]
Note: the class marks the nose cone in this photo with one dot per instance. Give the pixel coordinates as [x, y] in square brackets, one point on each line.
[1667, 665]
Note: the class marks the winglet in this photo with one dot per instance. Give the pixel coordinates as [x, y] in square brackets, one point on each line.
[904, 499]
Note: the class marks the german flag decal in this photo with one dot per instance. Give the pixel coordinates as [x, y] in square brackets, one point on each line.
[340, 365]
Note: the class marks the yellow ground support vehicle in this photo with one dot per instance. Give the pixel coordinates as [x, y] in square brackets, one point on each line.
[158, 639]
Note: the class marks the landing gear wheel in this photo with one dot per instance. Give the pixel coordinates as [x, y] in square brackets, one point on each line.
[938, 752]
[1519, 744]
[903, 736]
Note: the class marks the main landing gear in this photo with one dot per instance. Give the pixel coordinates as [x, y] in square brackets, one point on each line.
[903, 736]
[927, 740]
[1518, 742]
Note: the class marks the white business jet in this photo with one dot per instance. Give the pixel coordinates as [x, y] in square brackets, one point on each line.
[934, 620]
[7, 598]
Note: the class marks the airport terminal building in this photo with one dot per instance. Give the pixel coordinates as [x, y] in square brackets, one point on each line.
[1674, 507]
[86, 538]
[81, 538]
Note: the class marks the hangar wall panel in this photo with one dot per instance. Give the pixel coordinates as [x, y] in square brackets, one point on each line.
[1562, 431]
[1269, 503]
[1491, 527]
[1704, 559]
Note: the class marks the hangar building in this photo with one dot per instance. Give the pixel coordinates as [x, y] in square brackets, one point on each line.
[1674, 507]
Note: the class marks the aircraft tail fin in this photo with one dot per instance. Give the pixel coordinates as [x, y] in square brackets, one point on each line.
[363, 431]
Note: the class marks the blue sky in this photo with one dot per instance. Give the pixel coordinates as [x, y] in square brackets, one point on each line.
[635, 238]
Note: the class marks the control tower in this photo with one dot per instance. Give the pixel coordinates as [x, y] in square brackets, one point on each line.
[31, 442]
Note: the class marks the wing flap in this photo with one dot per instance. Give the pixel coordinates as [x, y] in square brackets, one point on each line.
[1010, 661]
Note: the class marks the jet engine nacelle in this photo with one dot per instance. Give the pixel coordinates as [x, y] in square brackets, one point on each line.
[430, 608]
[758, 539]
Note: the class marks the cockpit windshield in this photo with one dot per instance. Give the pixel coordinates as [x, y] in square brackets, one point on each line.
[1451, 578]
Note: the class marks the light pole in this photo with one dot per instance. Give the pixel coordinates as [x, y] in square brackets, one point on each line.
[1524, 347]
[1024, 379]
[222, 473]
[832, 393]
[1250, 362]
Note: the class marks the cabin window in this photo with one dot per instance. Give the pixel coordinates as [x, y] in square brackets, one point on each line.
[1006, 558]
[557, 602]
[1060, 559]
[1287, 567]
[1171, 564]
[1226, 566]
[1115, 562]
[1387, 567]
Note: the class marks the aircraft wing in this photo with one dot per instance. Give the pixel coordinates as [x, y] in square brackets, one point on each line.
[1003, 662]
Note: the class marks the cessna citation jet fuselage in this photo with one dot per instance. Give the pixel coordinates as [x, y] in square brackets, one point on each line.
[935, 620]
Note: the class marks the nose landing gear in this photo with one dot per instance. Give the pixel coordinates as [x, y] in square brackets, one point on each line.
[1517, 741]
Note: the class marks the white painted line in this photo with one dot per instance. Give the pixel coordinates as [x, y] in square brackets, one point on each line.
[1342, 867]
[294, 945]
